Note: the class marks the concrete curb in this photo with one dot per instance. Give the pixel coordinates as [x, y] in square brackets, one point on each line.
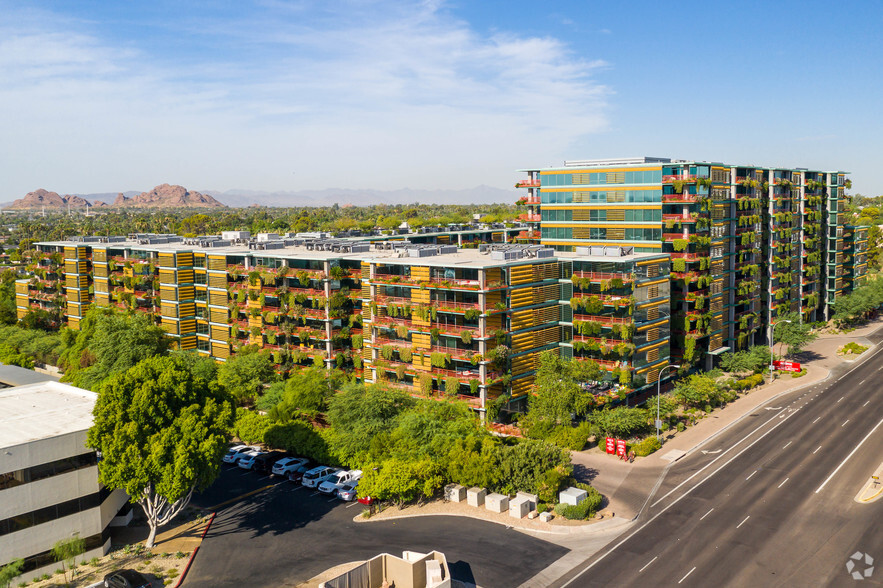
[570, 530]
[193, 555]
[872, 349]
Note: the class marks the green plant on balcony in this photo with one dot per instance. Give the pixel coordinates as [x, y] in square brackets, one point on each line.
[386, 352]
[473, 387]
[338, 273]
[271, 338]
[466, 337]
[434, 334]
[678, 186]
[703, 182]
[680, 244]
[405, 354]
[400, 372]
[439, 360]
[452, 386]
[425, 381]
[679, 265]
[475, 359]
[357, 361]
[401, 331]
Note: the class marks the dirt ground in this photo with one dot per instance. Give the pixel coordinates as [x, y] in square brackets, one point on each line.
[162, 568]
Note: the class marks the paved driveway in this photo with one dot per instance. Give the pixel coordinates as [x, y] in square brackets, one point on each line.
[287, 534]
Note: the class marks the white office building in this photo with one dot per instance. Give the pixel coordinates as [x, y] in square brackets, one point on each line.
[48, 477]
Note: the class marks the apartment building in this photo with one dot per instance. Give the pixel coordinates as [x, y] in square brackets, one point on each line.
[49, 487]
[747, 244]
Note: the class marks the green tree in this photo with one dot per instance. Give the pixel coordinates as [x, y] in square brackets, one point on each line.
[523, 466]
[245, 374]
[790, 331]
[557, 393]
[358, 413]
[620, 421]
[110, 343]
[161, 430]
[66, 552]
[10, 571]
[697, 390]
[402, 480]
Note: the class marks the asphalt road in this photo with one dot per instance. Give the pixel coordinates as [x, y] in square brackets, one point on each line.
[770, 504]
[287, 534]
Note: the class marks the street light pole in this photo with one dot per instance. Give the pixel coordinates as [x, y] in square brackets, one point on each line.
[658, 390]
[773, 342]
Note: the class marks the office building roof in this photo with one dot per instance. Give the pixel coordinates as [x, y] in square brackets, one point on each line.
[43, 410]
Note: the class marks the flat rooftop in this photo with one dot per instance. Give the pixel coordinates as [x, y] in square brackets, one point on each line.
[12, 375]
[43, 410]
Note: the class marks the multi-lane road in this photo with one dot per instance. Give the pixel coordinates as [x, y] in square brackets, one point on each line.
[771, 503]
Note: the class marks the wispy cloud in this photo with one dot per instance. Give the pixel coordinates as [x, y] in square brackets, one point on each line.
[376, 94]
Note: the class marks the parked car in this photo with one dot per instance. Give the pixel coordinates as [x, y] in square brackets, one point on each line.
[286, 465]
[264, 463]
[126, 579]
[335, 482]
[297, 474]
[347, 492]
[237, 451]
[246, 462]
[317, 475]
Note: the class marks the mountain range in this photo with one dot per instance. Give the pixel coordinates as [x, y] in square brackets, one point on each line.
[162, 196]
[166, 196]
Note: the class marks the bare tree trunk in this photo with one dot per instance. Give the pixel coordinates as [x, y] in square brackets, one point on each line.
[160, 511]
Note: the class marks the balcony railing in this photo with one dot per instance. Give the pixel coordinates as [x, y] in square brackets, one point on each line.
[681, 177]
[531, 218]
[528, 184]
[604, 275]
[688, 218]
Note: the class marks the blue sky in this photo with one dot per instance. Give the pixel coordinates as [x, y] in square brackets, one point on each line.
[279, 95]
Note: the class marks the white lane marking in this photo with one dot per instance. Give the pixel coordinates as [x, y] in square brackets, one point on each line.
[352, 504]
[675, 501]
[817, 449]
[851, 453]
[706, 514]
[726, 452]
[865, 404]
[647, 564]
[844, 423]
[841, 398]
[743, 522]
[817, 420]
[751, 474]
[333, 499]
[783, 483]
[688, 573]
[787, 444]
[862, 382]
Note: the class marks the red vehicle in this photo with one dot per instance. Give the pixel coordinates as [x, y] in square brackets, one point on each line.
[298, 474]
[367, 500]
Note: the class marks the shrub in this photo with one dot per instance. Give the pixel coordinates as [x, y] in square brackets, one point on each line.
[250, 426]
[799, 374]
[681, 426]
[582, 511]
[853, 347]
[647, 446]
[568, 437]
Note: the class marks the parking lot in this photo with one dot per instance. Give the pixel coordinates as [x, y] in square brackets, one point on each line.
[286, 534]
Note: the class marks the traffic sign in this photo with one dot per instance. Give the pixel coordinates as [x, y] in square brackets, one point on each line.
[786, 366]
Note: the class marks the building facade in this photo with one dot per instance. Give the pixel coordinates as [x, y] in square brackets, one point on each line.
[49, 488]
[747, 244]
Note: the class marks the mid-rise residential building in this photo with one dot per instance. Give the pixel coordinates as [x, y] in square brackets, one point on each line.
[49, 488]
[747, 244]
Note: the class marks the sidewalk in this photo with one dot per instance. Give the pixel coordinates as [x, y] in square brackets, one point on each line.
[627, 485]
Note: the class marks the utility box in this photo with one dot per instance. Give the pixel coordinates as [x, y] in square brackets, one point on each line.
[475, 496]
[532, 498]
[455, 493]
[545, 517]
[572, 496]
[519, 507]
[496, 503]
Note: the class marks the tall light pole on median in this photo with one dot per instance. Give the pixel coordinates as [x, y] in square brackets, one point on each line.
[773, 342]
[658, 390]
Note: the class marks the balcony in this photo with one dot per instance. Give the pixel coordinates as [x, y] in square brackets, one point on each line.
[682, 177]
[530, 218]
[599, 276]
[680, 198]
[684, 218]
[528, 184]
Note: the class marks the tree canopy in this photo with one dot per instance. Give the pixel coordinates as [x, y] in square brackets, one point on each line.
[793, 333]
[162, 430]
[244, 374]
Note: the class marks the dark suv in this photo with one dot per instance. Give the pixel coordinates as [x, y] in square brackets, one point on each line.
[126, 579]
[264, 463]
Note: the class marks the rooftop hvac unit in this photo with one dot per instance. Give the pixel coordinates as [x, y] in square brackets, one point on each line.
[504, 255]
[219, 243]
[545, 253]
[360, 248]
[596, 250]
[235, 235]
[421, 252]
[482, 248]
[117, 239]
[274, 245]
[583, 251]
[446, 249]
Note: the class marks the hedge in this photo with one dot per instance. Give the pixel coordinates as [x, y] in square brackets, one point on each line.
[584, 510]
[646, 447]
